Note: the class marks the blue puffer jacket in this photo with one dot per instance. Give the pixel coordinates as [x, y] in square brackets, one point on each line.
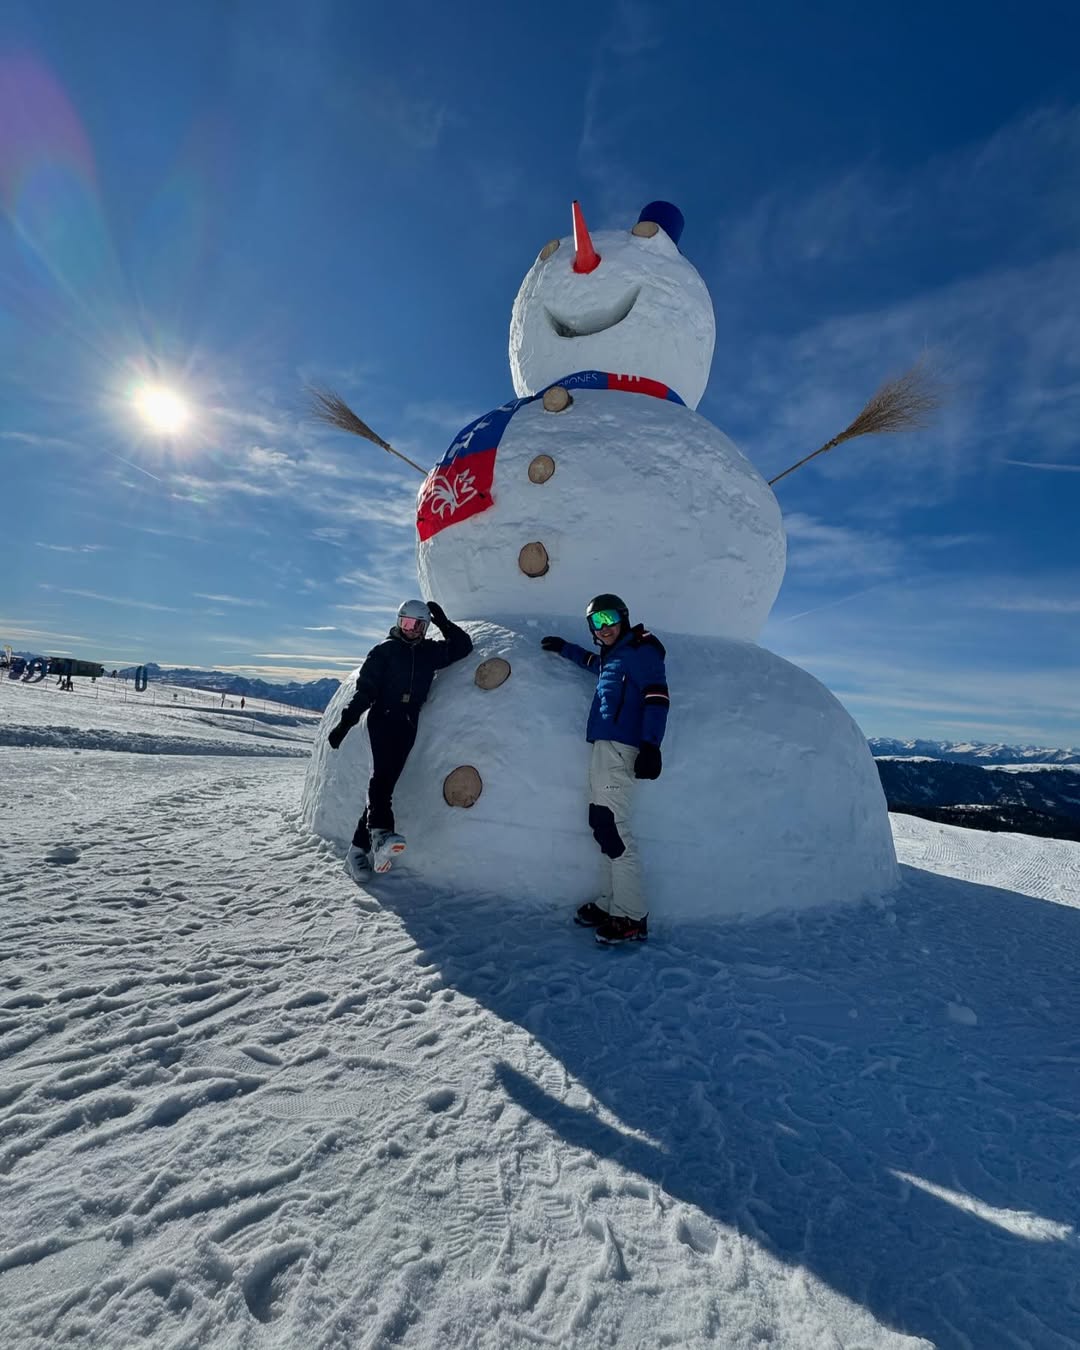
[631, 700]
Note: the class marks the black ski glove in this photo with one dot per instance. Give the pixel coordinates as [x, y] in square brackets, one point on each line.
[552, 644]
[338, 735]
[438, 614]
[647, 764]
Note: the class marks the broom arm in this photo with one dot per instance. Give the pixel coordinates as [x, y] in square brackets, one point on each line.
[412, 462]
[904, 404]
[829, 445]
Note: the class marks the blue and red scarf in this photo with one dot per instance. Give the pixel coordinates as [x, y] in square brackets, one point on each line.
[459, 486]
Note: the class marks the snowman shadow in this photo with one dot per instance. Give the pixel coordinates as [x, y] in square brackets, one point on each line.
[875, 1095]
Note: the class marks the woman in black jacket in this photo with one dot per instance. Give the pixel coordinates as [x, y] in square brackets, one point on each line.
[391, 688]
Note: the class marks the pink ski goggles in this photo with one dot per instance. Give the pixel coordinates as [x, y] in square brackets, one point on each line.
[412, 626]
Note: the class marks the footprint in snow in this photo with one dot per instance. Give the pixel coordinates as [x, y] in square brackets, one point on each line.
[63, 854]
[300, 1104]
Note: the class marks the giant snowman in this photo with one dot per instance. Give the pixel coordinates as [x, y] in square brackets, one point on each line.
[599, 477]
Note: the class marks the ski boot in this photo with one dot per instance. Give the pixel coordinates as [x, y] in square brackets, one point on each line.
[385, 847]
[358, 864]
[619, 929]
[590, 915]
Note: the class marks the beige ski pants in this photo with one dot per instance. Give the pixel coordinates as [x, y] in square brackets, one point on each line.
[612, 787]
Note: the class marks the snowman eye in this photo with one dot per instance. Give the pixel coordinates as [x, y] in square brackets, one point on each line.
[548, 249]
[645, 229]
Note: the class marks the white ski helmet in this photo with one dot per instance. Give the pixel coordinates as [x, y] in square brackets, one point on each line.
[414, 609]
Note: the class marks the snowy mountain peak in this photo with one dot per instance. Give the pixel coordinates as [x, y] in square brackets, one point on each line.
[973, 752]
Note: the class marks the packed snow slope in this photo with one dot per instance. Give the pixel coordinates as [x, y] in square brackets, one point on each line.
[110, 715]
[245, 1104]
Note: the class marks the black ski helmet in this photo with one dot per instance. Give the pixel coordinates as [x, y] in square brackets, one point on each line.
[607, 601]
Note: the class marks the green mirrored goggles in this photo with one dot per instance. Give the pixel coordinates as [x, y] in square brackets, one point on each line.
[604, 618]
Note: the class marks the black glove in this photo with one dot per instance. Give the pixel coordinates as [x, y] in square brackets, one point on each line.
[647, 764]
[438, 614]
[552, 644]
[338, 735]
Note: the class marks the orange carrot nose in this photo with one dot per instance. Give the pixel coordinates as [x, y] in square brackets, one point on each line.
[586, 258]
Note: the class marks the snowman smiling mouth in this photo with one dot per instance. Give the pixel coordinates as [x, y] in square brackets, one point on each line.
[593, 321]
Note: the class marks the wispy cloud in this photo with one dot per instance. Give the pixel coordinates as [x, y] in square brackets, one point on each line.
[828, 550]
[333, 486]
[72, 548]
[954, 655]
[349, 660]
[414, 120]
[448, 417]
[32, 438]
[999, 326]
[230, 599]
[321, 628]
[801, 391]
[16, 630]
[612, 110]
[246, 419]
[1037, 464]
[900, 697]
[166, 533]
[124, 600]
[334, 535]
[828, 604]
[372, 591]
[1013, 192]
[635, 27]
[193, 484]
[1030, 604]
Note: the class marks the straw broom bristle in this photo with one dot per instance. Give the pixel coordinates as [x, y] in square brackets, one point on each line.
[329, 407]
[903, 404]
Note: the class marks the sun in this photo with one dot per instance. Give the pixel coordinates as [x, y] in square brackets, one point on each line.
[163, 410]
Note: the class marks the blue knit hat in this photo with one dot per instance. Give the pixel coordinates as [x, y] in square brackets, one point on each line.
[668, 217]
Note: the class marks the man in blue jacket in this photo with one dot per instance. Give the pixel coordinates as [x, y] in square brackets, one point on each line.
[626, 725]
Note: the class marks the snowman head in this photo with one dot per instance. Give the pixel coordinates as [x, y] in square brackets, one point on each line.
[626, 302]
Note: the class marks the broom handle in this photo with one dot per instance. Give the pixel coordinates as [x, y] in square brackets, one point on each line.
[406, 458]
[829, 445]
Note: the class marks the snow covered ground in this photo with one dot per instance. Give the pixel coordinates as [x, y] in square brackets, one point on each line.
[109, 714]
[243, 1103]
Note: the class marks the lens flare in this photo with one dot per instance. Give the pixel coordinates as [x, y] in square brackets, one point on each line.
[163, 410]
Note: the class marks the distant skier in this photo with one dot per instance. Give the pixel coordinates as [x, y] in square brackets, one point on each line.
[391, 688]
[626, 725]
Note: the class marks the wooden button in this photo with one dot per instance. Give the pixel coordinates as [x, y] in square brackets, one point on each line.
[556, 399]
[548, 249]
[492, 672]
[462, 786]
[533, 560]
[645, 229]
[541, 469]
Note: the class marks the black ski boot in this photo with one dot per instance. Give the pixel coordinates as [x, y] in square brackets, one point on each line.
[618, 929]
[590, 915]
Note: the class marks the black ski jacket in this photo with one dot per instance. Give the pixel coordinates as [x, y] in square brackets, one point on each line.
[396, 675]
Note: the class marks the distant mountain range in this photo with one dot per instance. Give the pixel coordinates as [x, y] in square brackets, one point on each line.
[315, 695]
[973, 752]
[1041, 801]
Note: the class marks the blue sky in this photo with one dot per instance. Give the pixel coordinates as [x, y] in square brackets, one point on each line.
[242, 197]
